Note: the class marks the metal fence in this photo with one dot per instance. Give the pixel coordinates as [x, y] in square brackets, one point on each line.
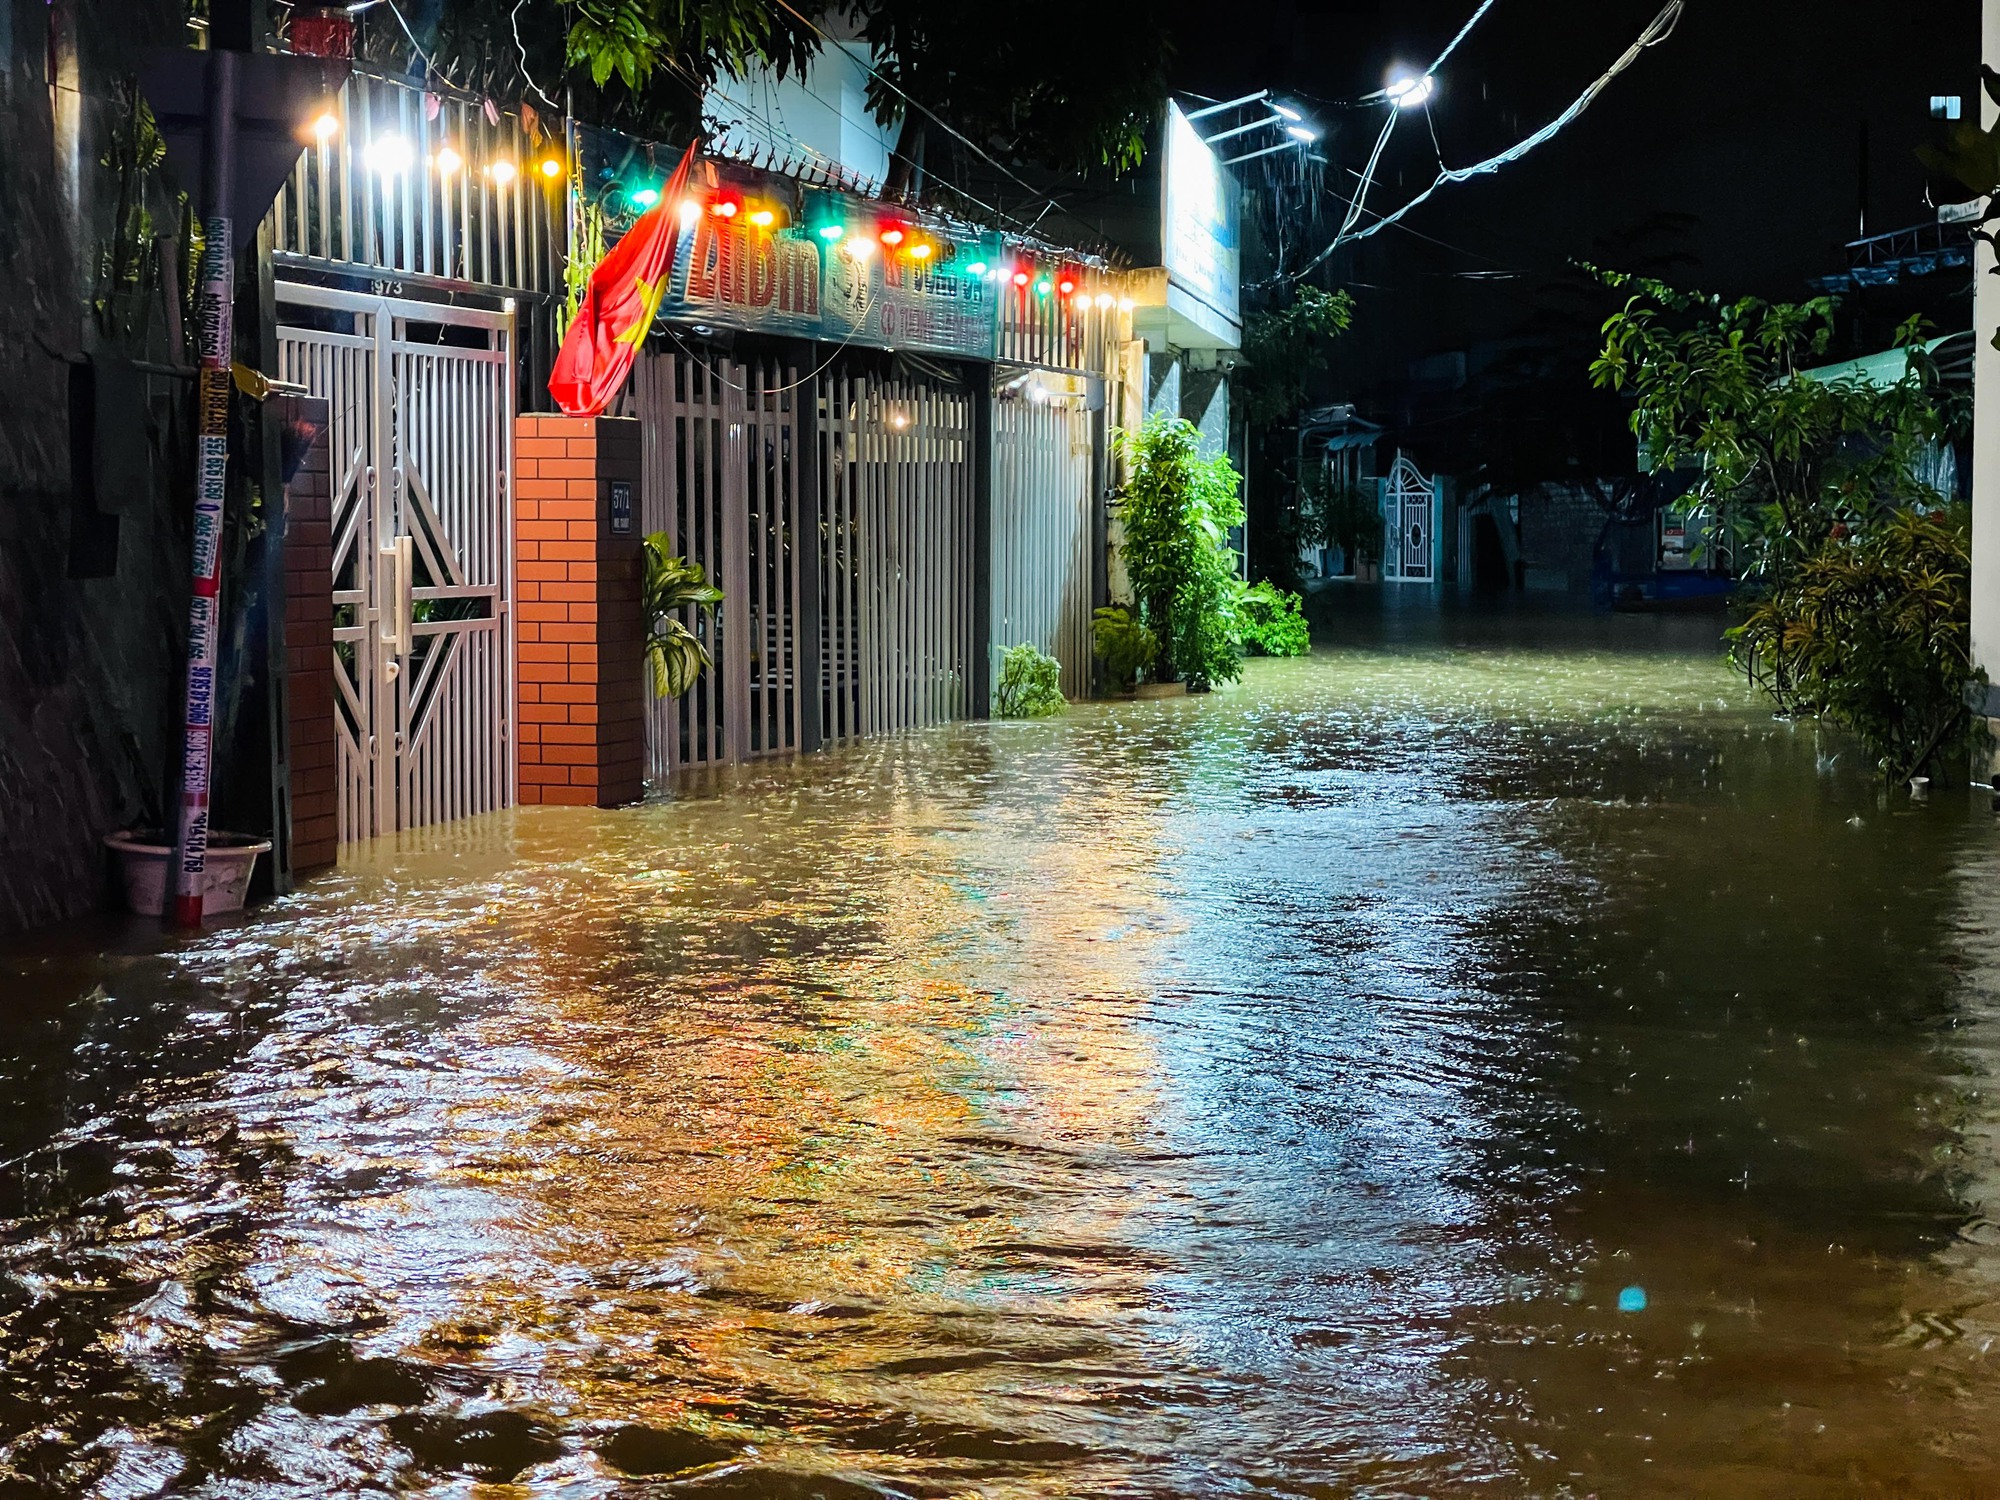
[1044, 532]
[402, 183]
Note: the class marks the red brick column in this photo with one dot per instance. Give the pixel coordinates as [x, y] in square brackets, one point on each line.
[579, 634]
[312, 749]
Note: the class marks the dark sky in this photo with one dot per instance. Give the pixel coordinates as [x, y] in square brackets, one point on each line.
[1747, 121]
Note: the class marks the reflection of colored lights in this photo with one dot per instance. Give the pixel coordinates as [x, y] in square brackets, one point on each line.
[763, 218]
[551, 167]
[831, 231]
[502, 172]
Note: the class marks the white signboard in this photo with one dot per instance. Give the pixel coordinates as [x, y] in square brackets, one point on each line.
[1198, 236]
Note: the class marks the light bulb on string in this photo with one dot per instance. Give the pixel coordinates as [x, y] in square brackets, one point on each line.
[646, 197]
[326, 127]
[763, 218]
[552, 167]
[448, 161]
[502, 173]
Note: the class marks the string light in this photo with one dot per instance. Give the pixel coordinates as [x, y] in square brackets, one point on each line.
[690, 213]
[390, 154]
[1020, 278]
[860, 247]
[892, 236]
[448, 160]
[502, 172]
[551, 167]
[723, 208]
[1104, 301]
[646, 197]
[920, 252]
[831, 231]
[1042, 287]
[1068, 286]
[326, 127]
[763, 218]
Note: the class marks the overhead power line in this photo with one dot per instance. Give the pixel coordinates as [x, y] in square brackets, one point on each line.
[1658, 30]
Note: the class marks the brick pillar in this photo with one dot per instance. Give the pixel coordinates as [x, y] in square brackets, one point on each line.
[312, 752]
[580, 637]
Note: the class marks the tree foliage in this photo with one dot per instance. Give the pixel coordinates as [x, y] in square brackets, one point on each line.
[1852, 564]
[1177, 510]
[1284, 347]
[1125, 648]
[1271, 621]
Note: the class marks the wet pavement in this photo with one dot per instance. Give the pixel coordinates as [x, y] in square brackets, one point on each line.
[1490, 1056]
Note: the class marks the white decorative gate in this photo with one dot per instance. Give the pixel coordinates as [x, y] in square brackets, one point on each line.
[1410, 507]
[422, 405]
[722, 480]
[897, 565]
[1043, 534]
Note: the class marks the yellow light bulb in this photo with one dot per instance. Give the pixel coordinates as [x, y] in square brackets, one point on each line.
[448, 160]
[920, 252]
[551, 167]
[326, 127]
[763, 218]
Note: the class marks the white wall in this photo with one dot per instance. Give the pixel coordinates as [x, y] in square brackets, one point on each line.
[825, 111]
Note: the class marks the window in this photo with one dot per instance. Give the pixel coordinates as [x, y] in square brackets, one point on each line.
[1946, 106]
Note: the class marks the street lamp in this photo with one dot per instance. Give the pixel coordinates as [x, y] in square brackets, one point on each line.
[1408, 93]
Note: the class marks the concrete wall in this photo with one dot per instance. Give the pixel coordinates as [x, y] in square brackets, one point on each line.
[89, 665]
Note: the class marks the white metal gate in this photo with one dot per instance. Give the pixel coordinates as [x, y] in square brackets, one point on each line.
[422, 405]
[896, 561]
[1042, 539]
[1410, 506]
[722, 480]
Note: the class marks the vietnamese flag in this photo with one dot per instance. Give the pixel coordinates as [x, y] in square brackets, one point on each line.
[618, 306]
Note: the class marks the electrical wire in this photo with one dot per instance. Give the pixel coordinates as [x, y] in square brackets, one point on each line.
[1658, 30]
[514, 17]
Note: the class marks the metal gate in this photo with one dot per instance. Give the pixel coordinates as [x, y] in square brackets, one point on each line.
[722, 480]
[1410, 505]
[421, 398]
[1043, 536]
[896, 538]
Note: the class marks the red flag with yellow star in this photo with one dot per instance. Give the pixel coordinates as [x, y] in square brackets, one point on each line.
[618, 306]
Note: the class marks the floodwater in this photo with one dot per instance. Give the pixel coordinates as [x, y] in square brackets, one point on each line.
[1488, 1057]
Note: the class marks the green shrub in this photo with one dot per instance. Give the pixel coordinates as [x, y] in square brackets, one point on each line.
[1871, 632]
[1272, 622]
[1177, 508]
[1030, 685]
[1125, 648]
[670, 587]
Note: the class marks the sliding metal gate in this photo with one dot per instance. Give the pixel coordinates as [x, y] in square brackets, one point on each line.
[896, 531]
[422, 449]
[722, 480]
[1042, 529]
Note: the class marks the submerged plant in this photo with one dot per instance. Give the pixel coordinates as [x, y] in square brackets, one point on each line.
[1030, 685]
[1272, 621]
[672, 588]
[1125, 648]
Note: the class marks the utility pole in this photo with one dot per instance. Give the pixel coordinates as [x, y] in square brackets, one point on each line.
[215, 300]
[1986, 415]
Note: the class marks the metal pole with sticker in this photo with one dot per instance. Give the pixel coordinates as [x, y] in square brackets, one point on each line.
[215, 304]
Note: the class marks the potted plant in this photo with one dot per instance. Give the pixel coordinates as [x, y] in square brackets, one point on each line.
[673, 586]
[144, 858]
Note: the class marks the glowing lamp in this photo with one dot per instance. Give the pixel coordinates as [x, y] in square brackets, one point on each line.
[690, 213]
[723, 208]
[448, 161]
[831, 231]
[390, 154]
[977, 268]
[326, 127]
[860, 247]
[1126, 304]
[1067, 286]
[920, 252]
[763, 218]
[1042, 287]
[1020, 278]
[646, 197]
[551, 167]
[1408, 93]
[1104, 301]
[892, 236]
[502, 172]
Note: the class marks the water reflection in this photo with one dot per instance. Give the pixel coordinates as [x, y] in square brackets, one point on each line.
[1271, 1093]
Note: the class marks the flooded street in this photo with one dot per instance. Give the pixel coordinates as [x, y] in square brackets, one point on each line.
[1489, 1056]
